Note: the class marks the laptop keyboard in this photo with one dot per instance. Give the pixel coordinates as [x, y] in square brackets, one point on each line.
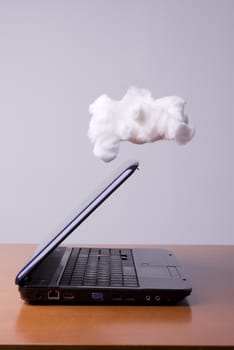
[100, 267]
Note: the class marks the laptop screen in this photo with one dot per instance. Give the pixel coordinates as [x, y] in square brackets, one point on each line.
[93, 201]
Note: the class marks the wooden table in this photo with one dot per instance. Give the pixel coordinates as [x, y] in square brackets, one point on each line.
[206, 319]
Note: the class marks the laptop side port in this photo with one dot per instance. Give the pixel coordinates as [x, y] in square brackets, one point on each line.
[129, 298]
[38, 296]
[116, 297]
[97, 296]
[53, 294]
[68, 296]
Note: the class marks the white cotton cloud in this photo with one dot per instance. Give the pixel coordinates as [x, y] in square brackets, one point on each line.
[138, 118]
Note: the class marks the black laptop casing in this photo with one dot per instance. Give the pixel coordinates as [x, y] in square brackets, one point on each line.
[160, 279]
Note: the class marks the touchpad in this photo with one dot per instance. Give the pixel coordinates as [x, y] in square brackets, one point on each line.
[154, 271]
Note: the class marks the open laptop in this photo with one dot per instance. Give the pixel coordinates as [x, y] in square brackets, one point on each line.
[70, 275]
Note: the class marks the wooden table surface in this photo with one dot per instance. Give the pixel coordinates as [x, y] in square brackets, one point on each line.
[206, 319]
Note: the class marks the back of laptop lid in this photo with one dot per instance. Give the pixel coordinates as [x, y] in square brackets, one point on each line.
[87, 208]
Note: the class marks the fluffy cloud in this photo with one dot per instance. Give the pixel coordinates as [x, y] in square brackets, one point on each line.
[138, 118]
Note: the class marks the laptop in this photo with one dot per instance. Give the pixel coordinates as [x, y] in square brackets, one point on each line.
[57, 274]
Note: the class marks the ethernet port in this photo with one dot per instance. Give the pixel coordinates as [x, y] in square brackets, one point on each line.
[53, 294]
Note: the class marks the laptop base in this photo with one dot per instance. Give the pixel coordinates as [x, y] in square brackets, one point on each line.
[159, 279]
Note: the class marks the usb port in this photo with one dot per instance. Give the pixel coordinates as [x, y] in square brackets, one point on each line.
[68, 296]
[53, 294]
[129, 298]
[116, 297]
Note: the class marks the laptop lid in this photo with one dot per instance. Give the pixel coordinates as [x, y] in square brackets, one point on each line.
[100, 195]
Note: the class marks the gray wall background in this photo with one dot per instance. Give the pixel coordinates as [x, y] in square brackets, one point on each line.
[56, 57]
